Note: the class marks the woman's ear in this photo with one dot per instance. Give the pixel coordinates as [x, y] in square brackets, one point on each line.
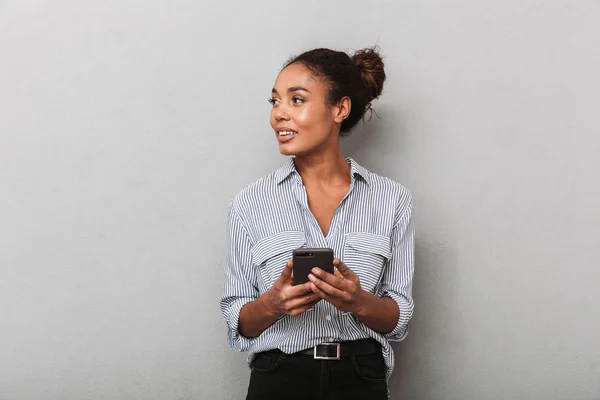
[342, 109]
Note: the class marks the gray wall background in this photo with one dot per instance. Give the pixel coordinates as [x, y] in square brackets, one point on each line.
[127, 125]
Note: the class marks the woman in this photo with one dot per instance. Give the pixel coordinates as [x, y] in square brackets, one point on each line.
[328, 338]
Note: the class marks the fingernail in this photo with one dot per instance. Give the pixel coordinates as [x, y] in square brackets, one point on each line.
[316, 271]
[312, 277]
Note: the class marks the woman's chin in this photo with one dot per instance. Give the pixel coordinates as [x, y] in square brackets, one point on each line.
[287, 149]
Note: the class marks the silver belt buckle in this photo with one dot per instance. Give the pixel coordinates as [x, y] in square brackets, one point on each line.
[337, 356]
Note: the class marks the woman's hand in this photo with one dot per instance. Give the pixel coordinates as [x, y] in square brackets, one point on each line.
[284, 298]
[281, 299]
[342, 288]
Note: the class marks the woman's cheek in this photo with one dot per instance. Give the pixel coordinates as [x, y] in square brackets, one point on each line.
[304, 117]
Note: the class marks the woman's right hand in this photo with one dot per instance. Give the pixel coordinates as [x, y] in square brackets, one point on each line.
[284, 298]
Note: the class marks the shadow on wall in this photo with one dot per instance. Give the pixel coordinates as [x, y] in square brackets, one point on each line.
[382, 144]
[365, 137]
[436, 330]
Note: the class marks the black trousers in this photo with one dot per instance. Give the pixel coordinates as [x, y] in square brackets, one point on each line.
[279, 376]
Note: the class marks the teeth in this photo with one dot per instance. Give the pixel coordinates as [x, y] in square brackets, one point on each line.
[285, 133]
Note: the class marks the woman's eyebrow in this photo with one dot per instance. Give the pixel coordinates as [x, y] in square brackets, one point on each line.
[292, 89]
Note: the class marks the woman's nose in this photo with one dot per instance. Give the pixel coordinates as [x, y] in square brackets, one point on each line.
[281, 114]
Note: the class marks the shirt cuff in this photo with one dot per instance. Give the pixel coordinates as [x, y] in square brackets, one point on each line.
[405, 308]
[236, 340]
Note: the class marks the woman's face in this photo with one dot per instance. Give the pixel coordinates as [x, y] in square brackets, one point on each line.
[303, 121]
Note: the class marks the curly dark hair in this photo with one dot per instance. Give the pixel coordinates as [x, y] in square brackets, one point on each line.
[360, 77]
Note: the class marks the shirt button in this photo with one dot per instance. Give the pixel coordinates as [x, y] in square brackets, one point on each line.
[328, 318]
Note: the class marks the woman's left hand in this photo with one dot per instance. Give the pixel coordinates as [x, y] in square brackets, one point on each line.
[342, 288]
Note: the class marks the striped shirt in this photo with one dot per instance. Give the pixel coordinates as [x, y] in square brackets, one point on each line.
[371, 231]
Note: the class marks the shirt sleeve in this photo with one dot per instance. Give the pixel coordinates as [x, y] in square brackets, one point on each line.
[240, 286]
[397, 278]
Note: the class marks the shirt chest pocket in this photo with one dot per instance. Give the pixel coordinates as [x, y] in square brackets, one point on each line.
[366, 254]
[271, 253]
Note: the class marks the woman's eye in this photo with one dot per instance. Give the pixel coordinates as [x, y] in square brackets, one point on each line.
[273, 101]
[297, 100]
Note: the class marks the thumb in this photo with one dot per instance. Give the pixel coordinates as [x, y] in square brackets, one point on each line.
[286, 274]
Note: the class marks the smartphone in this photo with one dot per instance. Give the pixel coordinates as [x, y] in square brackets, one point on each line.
[306, 259]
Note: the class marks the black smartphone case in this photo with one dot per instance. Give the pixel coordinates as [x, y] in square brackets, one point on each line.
[306, 259]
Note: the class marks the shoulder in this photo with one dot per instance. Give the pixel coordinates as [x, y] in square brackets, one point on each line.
[263, 192]
[392, 191]
[260, 188]
[387, 185]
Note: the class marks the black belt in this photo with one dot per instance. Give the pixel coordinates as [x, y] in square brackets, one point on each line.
[334, 351]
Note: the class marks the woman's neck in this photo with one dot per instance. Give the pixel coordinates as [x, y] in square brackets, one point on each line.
[328, 168]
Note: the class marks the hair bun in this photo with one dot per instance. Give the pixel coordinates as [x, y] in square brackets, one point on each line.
[370, 64]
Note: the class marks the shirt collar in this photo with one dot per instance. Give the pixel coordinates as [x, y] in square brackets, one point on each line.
[289, 168]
